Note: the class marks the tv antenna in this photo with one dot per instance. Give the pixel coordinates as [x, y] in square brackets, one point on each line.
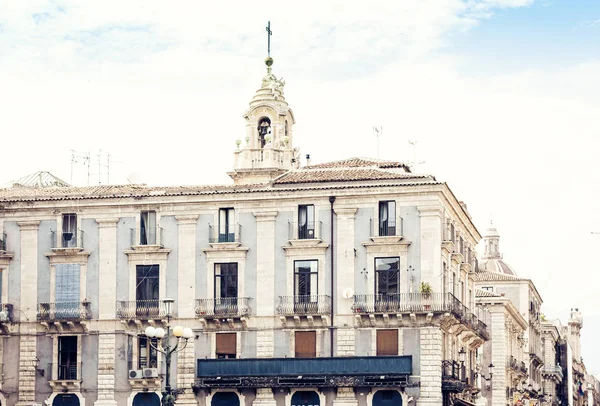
[378, 130]
[414, 163]
[103, 159]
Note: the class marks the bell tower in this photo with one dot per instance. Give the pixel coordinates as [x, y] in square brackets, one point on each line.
[268, 146]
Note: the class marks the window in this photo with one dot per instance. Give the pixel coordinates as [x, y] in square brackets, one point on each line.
[66, 294]
[488, 288]
[454, 284]
[226, 225]
[146, 292]
[148, 228]
[306, 344]
[387, 218]
[305, 286]
[306, 221]
[264, 129]
[67, 358]
[387, 342]
[387, 276]
[69, 230]
[147, 356]
[226, 344]
[226, 288]
[461, 293]
[452, 232]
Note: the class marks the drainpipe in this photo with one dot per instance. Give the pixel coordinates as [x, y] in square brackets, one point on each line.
[332, 200]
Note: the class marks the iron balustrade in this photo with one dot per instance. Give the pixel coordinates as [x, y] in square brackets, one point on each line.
[305, 231]
[64, 371]
[224, 233]
[149, 239]
[418, 303]
[141, 310]
[304, 305]
[3, 242]
[6, 313]
[64, 311]
[223, 307]
[452, 370]
[64, 239]
[389, 228]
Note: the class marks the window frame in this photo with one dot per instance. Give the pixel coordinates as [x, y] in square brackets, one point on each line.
[148, 227]
[220, 286]
[226, 232]
[307, 230]
[389, 226]
[378, 272]
[69, 374]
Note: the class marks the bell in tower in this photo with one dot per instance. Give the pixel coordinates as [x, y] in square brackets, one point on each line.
[268, 152]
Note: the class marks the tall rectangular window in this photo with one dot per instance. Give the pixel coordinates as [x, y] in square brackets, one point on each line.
[226, 345]
[226, 225]
[147, 356]
[146, 291]
[387, 342]
[387, 275]
[66, 290]
[305, 286]
[306, 221]
[148, 228]
[306, 344]
[69, 230]
[226, 288]
[387, 218]
[67, 357]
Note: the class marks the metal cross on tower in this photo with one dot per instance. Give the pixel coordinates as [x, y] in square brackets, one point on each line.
[269, 33]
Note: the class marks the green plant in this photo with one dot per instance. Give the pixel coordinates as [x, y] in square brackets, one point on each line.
[425, 288]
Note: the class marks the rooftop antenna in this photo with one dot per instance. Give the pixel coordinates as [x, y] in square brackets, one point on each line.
[378, 130]
[413, 164]
[82, 158]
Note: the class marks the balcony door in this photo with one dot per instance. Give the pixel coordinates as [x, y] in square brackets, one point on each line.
[226, 225]
[69, 230]
[67, 291]
[306, 221]
[306, 344]
[148, 228]
[67, 358]
[146, 291]
[387, 284]
[387, 218]
[226, 288]
[306, 287]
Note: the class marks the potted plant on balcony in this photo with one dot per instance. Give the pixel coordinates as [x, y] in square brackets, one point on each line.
[426, 291]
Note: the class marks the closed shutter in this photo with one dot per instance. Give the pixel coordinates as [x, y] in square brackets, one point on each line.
[387, 342]
[226, 345]
[67, 283]
[306, 344]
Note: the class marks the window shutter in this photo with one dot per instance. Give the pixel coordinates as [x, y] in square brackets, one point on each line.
[306, 344]
[226, 344]
[387, 342]
[67, 283]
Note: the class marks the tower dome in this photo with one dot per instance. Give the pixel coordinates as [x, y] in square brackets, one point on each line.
[492, 258]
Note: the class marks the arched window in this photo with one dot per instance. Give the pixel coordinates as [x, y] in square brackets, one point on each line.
[264, 129]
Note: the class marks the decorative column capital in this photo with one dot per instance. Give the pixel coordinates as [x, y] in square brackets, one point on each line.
[347, 213]
[265, 215]
[29, 225]
[187, 219]
[107, 222]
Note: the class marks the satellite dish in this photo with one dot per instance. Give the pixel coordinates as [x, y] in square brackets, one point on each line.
[348, 293]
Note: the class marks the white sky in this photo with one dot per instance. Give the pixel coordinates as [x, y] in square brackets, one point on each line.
[162, 88]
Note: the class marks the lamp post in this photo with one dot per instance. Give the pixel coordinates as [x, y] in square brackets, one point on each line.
[182, 336]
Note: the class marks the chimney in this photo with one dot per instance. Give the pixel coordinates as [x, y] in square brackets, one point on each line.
[307, 159]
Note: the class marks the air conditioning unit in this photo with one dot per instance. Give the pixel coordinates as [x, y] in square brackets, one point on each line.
[135, 374]
[150, 372]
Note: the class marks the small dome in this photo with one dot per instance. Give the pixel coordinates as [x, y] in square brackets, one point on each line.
[497, 266]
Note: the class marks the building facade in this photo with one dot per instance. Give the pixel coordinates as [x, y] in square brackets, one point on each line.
[345, 283]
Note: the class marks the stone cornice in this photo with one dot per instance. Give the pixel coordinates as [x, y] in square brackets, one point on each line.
[346, 213]
[146, 254]
[68, 256]
[32, 225]
[265, 215]
[107, 222]
[187, 219]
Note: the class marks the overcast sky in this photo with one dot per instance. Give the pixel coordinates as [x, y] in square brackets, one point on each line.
[501, 96]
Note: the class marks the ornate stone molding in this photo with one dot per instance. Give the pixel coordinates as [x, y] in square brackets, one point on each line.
[107, 222]
[265, 215]
[345, 213]
[187, 219]
[32, 225]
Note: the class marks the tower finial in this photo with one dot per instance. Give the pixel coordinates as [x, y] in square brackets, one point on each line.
[269, 60]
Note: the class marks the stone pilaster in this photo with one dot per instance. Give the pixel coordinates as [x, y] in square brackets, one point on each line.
[186, 265]
[345, 343]
[431, 366]
[345, 397]
[264, 397]
[344, 258]
[265, 263]
[499, 355]
[27, 365]
[431, 240]
[264, 344]
[107, 254]
[106, 370]
[185, 375]
[29, 265]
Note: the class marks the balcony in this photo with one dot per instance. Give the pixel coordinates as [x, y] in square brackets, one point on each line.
[452, 376]
[139, 311]
[6, 317]
[392, 229]
[3, 242]
[304, 308]
[64, 376]
[149, 237]
[63, 315]
[304, 372]
[553, 372]
[309, 230]
[67, 240]
[535, 359]
[229, 309]
[225, 235]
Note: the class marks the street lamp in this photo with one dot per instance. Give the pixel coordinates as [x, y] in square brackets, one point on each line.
[182, 336]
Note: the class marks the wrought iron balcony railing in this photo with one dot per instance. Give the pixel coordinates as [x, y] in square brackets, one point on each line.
[224, 233]
[553, 370]
[141, 310]
[418, 303]
[67, 239]
[388, 228]
[3, 242]
[304, 305]
[66, 371]
[223, 307]
[6, 313]
[305, 231]
[64, 311]
[148, 236]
